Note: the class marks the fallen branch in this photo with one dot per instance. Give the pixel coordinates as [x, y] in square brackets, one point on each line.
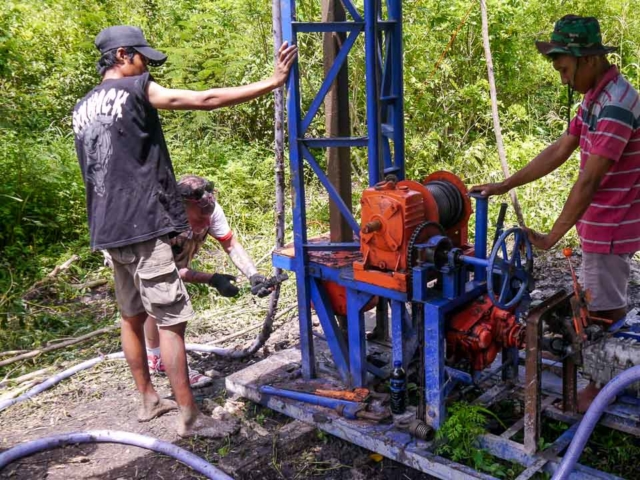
[63, 266]
[91, 284]
[51, 275]
[12, 352]
[57, 346]
[14, 393]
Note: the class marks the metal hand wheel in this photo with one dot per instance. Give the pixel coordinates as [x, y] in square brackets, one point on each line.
[512, 267]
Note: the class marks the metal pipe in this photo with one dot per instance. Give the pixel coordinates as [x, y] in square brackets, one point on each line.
[306, 397]
[459, 375]
[482, 216]
[590, 419]
[476, 262]
[373, 90]
[200, 465]
[395, 15]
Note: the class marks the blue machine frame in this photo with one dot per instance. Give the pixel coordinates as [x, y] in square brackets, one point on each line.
[385, 144]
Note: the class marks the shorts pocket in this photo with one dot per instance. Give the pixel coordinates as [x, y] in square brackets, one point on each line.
[161, 285]
[123, 255]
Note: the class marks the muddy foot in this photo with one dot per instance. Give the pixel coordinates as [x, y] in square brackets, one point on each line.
[151, 411]
[220, 424]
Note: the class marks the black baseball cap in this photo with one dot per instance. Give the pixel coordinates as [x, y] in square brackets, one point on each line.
[127, 36]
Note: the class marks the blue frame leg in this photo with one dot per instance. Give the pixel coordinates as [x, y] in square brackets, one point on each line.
[356, 302]
[434, 365]
[332, 332]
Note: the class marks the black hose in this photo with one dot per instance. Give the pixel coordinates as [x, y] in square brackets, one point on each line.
[267, 326]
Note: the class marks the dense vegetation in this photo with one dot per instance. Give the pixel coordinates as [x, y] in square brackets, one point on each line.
[47, 63]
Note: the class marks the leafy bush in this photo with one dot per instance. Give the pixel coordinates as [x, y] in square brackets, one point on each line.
[457, 439]
[47, 60]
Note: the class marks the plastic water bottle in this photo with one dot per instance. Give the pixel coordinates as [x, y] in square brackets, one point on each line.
[398, 384]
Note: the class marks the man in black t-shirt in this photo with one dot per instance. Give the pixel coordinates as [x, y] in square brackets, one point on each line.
[134, 207]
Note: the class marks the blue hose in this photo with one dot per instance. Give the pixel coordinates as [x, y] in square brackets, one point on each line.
[200, 465]
[590, 419]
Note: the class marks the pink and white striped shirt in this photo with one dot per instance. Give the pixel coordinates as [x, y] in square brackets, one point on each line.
[608, 124]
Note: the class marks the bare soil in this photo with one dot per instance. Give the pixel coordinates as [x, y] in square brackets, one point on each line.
[104, 398]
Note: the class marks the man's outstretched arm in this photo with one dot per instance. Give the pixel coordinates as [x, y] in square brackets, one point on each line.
[175, 99]
[544, 163]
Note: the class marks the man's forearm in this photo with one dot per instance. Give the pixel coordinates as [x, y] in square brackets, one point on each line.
[191, 276]
[544, 163]
[242, 260]
[577, 203]
[228, 96]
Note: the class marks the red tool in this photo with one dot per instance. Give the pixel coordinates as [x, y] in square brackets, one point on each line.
[357, 395]
[580, 303]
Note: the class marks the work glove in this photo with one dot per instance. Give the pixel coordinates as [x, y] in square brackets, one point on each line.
[224, 284]
[258, 285]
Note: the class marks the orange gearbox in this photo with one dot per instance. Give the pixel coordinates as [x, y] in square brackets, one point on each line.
[390, 214]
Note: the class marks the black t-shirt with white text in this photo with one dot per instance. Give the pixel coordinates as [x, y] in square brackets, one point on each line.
[130, 185]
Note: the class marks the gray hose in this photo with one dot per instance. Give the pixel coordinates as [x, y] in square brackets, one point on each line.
[200, 465]
[50, 382]
[191, 347]
[590, 419]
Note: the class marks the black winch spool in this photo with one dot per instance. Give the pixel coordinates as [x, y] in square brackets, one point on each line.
[449, 200]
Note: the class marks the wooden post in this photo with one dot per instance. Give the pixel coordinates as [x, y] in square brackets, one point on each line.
[337, 121]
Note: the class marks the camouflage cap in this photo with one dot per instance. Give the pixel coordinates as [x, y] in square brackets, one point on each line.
[577, 36]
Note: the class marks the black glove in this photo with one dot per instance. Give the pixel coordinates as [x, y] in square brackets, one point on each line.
[258, 286]
[223, 283]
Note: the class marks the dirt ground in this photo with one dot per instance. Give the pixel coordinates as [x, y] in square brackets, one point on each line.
[104, 398]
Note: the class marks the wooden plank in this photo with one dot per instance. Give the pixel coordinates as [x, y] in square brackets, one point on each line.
[384, 439]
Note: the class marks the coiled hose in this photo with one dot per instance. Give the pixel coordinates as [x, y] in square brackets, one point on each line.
[591, 417]
[200, 465]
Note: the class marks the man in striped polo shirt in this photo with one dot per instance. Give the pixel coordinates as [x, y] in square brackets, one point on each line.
[604, 203]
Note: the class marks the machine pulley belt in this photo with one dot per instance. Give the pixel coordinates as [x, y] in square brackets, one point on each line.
[449, 200]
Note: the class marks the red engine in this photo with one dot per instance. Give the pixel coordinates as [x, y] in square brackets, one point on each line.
[480, 331]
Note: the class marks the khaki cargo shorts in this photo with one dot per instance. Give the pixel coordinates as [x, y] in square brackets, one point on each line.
[606, 277]
[147, 280]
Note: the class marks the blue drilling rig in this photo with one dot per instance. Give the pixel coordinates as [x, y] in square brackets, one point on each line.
[455, 314]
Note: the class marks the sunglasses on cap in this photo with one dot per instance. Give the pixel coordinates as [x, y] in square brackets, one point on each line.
[203, 196]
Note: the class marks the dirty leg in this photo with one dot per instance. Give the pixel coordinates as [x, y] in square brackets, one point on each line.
[132, 333]
[191, 421]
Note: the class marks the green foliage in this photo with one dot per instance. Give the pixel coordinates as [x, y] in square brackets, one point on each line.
[457, 439]
[612, 451]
